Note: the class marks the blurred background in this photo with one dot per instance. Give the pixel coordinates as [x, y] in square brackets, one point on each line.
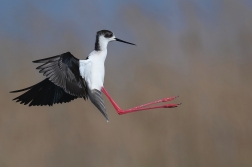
[198, 49]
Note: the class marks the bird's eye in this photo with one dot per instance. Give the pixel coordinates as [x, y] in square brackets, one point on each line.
[108, 35]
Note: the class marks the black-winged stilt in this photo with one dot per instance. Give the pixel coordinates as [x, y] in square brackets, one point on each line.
[68, 78]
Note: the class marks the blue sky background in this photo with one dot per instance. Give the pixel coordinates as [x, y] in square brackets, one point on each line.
[83, 15]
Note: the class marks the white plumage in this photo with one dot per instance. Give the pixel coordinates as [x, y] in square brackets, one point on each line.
[68, 78]
[92, 69]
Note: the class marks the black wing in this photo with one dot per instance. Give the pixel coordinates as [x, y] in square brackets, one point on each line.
[96, 98]
[43, 93]
[63, 71]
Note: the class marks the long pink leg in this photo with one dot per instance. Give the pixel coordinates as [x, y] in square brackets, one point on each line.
[141, 107]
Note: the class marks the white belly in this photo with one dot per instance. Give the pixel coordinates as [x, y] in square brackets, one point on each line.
[97, 76]
[93, 71]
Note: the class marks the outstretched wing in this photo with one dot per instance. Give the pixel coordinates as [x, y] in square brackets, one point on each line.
[63, 71]
[42, 94]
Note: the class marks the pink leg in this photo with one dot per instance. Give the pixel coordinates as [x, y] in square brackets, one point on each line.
[141, 107]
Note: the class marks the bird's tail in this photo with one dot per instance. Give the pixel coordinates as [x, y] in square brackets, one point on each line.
[43, 93]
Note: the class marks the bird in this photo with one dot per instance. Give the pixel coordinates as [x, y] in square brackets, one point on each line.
[68, 78]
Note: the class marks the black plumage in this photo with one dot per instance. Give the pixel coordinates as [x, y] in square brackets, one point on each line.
[96, 98]
[63, 84]
[42, 94]
[106, 34]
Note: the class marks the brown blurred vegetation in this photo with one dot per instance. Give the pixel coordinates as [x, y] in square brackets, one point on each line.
[208, 64]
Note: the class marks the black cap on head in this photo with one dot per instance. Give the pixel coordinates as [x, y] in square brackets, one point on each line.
[106, 33]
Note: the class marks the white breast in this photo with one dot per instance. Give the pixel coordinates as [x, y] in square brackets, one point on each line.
[92, 69]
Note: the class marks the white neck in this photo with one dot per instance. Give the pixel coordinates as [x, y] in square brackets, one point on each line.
[103, 43]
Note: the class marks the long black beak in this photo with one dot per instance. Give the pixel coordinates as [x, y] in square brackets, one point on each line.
[119, 40]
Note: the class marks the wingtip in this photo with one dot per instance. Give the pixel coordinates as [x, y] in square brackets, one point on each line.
[106, 116]
[35, 61]
[14, 91]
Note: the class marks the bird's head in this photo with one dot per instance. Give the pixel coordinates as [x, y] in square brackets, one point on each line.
[103, 37]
